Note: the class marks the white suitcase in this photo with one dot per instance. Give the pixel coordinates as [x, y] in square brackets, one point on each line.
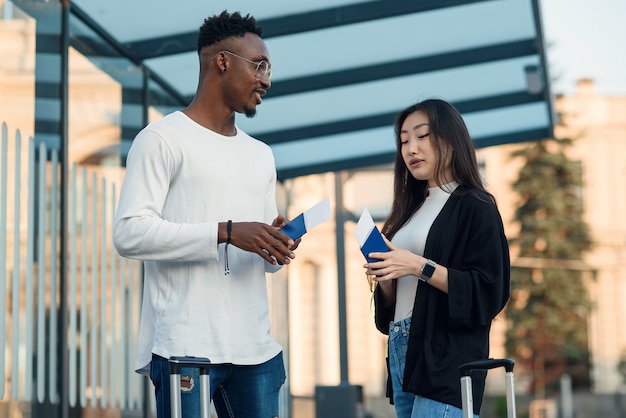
[484, 365]
[202, 363]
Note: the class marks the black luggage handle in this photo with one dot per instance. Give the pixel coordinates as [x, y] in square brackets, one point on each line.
[483, 365]
[201, 363]
[467, 368]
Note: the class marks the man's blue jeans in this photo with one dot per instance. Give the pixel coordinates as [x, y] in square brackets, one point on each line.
[408, 405]
[236, 391]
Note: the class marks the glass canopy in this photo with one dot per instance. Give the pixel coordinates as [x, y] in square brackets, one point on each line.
[342, 69]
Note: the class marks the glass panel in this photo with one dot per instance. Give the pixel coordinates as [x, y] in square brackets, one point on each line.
[17, 111]
[106, 98]
[388, 95]
[376, 42]
[101, 102]
[414, 35]
[17, 68]
[119, 16]
[160, 102]
[180, 70]
[94, 109]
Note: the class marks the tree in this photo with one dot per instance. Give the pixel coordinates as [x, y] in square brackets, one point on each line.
[547, 333]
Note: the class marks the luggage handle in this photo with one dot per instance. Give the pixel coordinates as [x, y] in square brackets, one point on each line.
[202, 363]
[466, 384]
[177, 362]
[467, 368]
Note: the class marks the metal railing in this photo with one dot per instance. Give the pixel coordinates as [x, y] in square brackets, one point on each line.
[103, 289]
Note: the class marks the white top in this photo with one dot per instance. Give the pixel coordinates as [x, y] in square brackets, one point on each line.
[181, 180]
[412, 237]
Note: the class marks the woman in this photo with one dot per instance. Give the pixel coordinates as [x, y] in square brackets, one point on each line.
[446, 275]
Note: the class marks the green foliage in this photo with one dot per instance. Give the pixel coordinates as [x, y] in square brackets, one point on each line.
[500, 407]
[621, 366]
[547, 314]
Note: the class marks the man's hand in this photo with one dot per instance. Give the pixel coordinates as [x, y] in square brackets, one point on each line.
[278, 223]
[266, 240]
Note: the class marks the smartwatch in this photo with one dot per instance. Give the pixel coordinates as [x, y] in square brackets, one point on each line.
[427, 270]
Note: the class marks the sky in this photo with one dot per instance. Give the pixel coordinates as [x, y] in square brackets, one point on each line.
[586, 39]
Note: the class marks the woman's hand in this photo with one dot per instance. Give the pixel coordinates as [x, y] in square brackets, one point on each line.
[398, 262]
[395, 263]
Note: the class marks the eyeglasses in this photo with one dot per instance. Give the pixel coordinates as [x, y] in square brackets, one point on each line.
[263, 67]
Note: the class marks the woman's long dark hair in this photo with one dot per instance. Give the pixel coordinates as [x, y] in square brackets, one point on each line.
[448, 133]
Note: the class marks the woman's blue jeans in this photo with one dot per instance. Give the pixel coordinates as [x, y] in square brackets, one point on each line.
[236, 391]
[398, 342]
[408, 405]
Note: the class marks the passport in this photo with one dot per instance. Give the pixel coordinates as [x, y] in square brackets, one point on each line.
[369, 237]
[307, 220]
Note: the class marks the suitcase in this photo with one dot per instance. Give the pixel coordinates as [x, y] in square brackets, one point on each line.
[484, 365]
[202, 363]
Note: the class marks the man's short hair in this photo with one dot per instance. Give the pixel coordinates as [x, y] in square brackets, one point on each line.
[225, 25]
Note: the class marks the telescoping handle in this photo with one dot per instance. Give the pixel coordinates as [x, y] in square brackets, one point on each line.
[201, 363]
[466, 383]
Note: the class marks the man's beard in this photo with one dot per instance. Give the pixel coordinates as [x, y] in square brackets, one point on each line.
[249, 112]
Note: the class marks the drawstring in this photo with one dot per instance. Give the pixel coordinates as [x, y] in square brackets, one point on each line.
[229, 228]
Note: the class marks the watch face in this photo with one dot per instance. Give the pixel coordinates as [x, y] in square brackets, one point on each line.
[428, 269]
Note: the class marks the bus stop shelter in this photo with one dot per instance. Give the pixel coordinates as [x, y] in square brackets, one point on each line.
[341, 70]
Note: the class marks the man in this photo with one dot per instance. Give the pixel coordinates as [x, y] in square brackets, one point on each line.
[198, 206]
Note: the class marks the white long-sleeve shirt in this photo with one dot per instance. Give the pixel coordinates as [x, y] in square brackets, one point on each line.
[181, 181]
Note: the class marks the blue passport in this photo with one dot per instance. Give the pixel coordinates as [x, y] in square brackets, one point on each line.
[295, 228]
[307, 220]
[374, 244]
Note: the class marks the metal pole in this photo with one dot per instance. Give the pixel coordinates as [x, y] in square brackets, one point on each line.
[341, 276]
[567, 398]
[147, 384]
[545, 73]
[63, 154]
[467, 399]
[175, 400]
[511, 408]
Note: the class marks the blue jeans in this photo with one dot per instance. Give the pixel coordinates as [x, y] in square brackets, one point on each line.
[408, 405]
[427, 408]
[398, 342]
[236, 391]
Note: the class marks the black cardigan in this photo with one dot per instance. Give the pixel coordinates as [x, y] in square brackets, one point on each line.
[448, 330]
